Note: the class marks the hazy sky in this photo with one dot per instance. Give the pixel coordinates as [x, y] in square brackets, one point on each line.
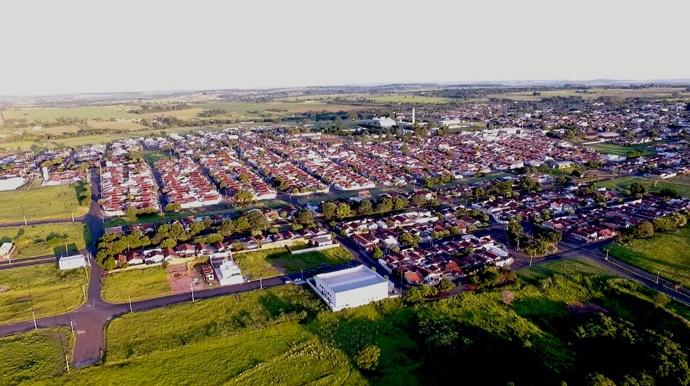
[101, 46]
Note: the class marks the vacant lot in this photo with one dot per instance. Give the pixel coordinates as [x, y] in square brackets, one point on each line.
[46, 239]
[279, 261]
[47, 203]
[667, 253]
[34, 355]
[136, 284]
[41, 288]
[679, 184]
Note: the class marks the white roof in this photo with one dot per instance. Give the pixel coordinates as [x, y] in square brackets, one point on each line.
[71, 258]
[228, 268]
[5, 248]
[351, 278]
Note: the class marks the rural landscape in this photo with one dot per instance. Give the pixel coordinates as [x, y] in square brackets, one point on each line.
[301, 193]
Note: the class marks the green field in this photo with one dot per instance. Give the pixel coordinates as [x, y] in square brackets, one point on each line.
[278, 261]
[550, 331]
[34, 355]
[46, 239]
[42, 288]
[47, 203]
[50, 114]
[136, 284]
[593, 93]
[667, 253]
[680, 184]
[610, 148]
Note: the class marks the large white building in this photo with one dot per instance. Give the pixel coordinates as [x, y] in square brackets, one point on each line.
[351, 287]
[72, 262]
[227, 272]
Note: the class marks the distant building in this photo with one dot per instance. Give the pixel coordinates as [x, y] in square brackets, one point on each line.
[351, 287]
[11, 183]
[384, 122]
[72, 262]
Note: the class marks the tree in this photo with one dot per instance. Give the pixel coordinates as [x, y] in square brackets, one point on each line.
[661, 300]
[329, 210]
[637, 188]
[242, 224]
[257, 220]
[305, 217]
[413, 295]
[507, 297]
[365, 208]
[446, 285]
[168, 243]
[131, 213]
[368, 357]
[406, 238]
[244, 178]
[377, 254]
[599, 380]
[405, 150]
[645, 229]
[343, 211]
[243, 196]
[385, 205]
[399, 203]
[418, 200]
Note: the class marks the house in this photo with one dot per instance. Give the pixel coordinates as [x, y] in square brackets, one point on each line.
[414, 277]
[226, 271]
[208, 272]
[322, 240]
[186, 250]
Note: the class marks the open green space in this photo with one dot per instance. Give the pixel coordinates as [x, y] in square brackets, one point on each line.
[136, 284]
[593, 93]
[279, 261]
[43, 289]
[610, 148]
[665, 253]
[34, 355]
[680, 184]
[563, 324]
[46, 203]
[154, 156]
[46, 239]
[47, 114]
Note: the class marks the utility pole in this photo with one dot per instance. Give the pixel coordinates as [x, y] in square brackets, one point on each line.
[130, 303]
[191, 286]
[261, 283]
[607, 254]
[67, 362]
[83, 290]
[33, 313]
[657, 276]
[71, 325]
[301, 271]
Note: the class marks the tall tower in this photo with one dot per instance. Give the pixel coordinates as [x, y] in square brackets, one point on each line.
[413, 116]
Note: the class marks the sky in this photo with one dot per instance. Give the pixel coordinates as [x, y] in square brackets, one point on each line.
[52, 47]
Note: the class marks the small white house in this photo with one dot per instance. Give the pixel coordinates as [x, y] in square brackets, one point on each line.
[351, 287]
[72, 262]
[226, 271]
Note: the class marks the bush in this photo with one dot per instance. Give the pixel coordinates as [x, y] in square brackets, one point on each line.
[368, 357]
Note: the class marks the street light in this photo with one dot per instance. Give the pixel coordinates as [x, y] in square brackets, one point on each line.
[191, 286]
[71, 325]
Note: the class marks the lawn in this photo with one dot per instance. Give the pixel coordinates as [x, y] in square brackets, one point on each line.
[34, 355]
[47, 203]
[46, 239]
[679, 184]
[574, 266]
[153, 156]
[278, 261]
[668, 253]
[610, 148]
[42, 288]
[139, 284]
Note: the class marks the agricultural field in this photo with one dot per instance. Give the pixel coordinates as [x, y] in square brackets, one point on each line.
[34, 355]
[593, 93]
[132, 126]
[45, 203]
[547, 329]
[276, 262]
[46, 114]
[46, 239]
[680, 184]
[136, 284]
[42, 288]
[666, 253]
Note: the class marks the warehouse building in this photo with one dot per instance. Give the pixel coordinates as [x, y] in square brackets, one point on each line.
[351, 287]
[72, 262]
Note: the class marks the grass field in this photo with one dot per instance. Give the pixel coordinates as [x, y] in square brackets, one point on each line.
[286, 336]
[667, 253]
[137, 284]
[154, 156]
[51, 114]
[276, 262]
[593, 93]
[34, 355]
[679, 184]
[46, 239]
[610, 148]
[117, 125]
[46, 203]
[43, 288]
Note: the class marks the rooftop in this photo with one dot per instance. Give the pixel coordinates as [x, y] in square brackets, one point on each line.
[350, 278]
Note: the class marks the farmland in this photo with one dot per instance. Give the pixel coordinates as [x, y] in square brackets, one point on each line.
[46, 239]
[666, 253]
[46, 203]
[34, 355]
[47, 114]
[136, 284]
[279, 261]
[42, 288]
